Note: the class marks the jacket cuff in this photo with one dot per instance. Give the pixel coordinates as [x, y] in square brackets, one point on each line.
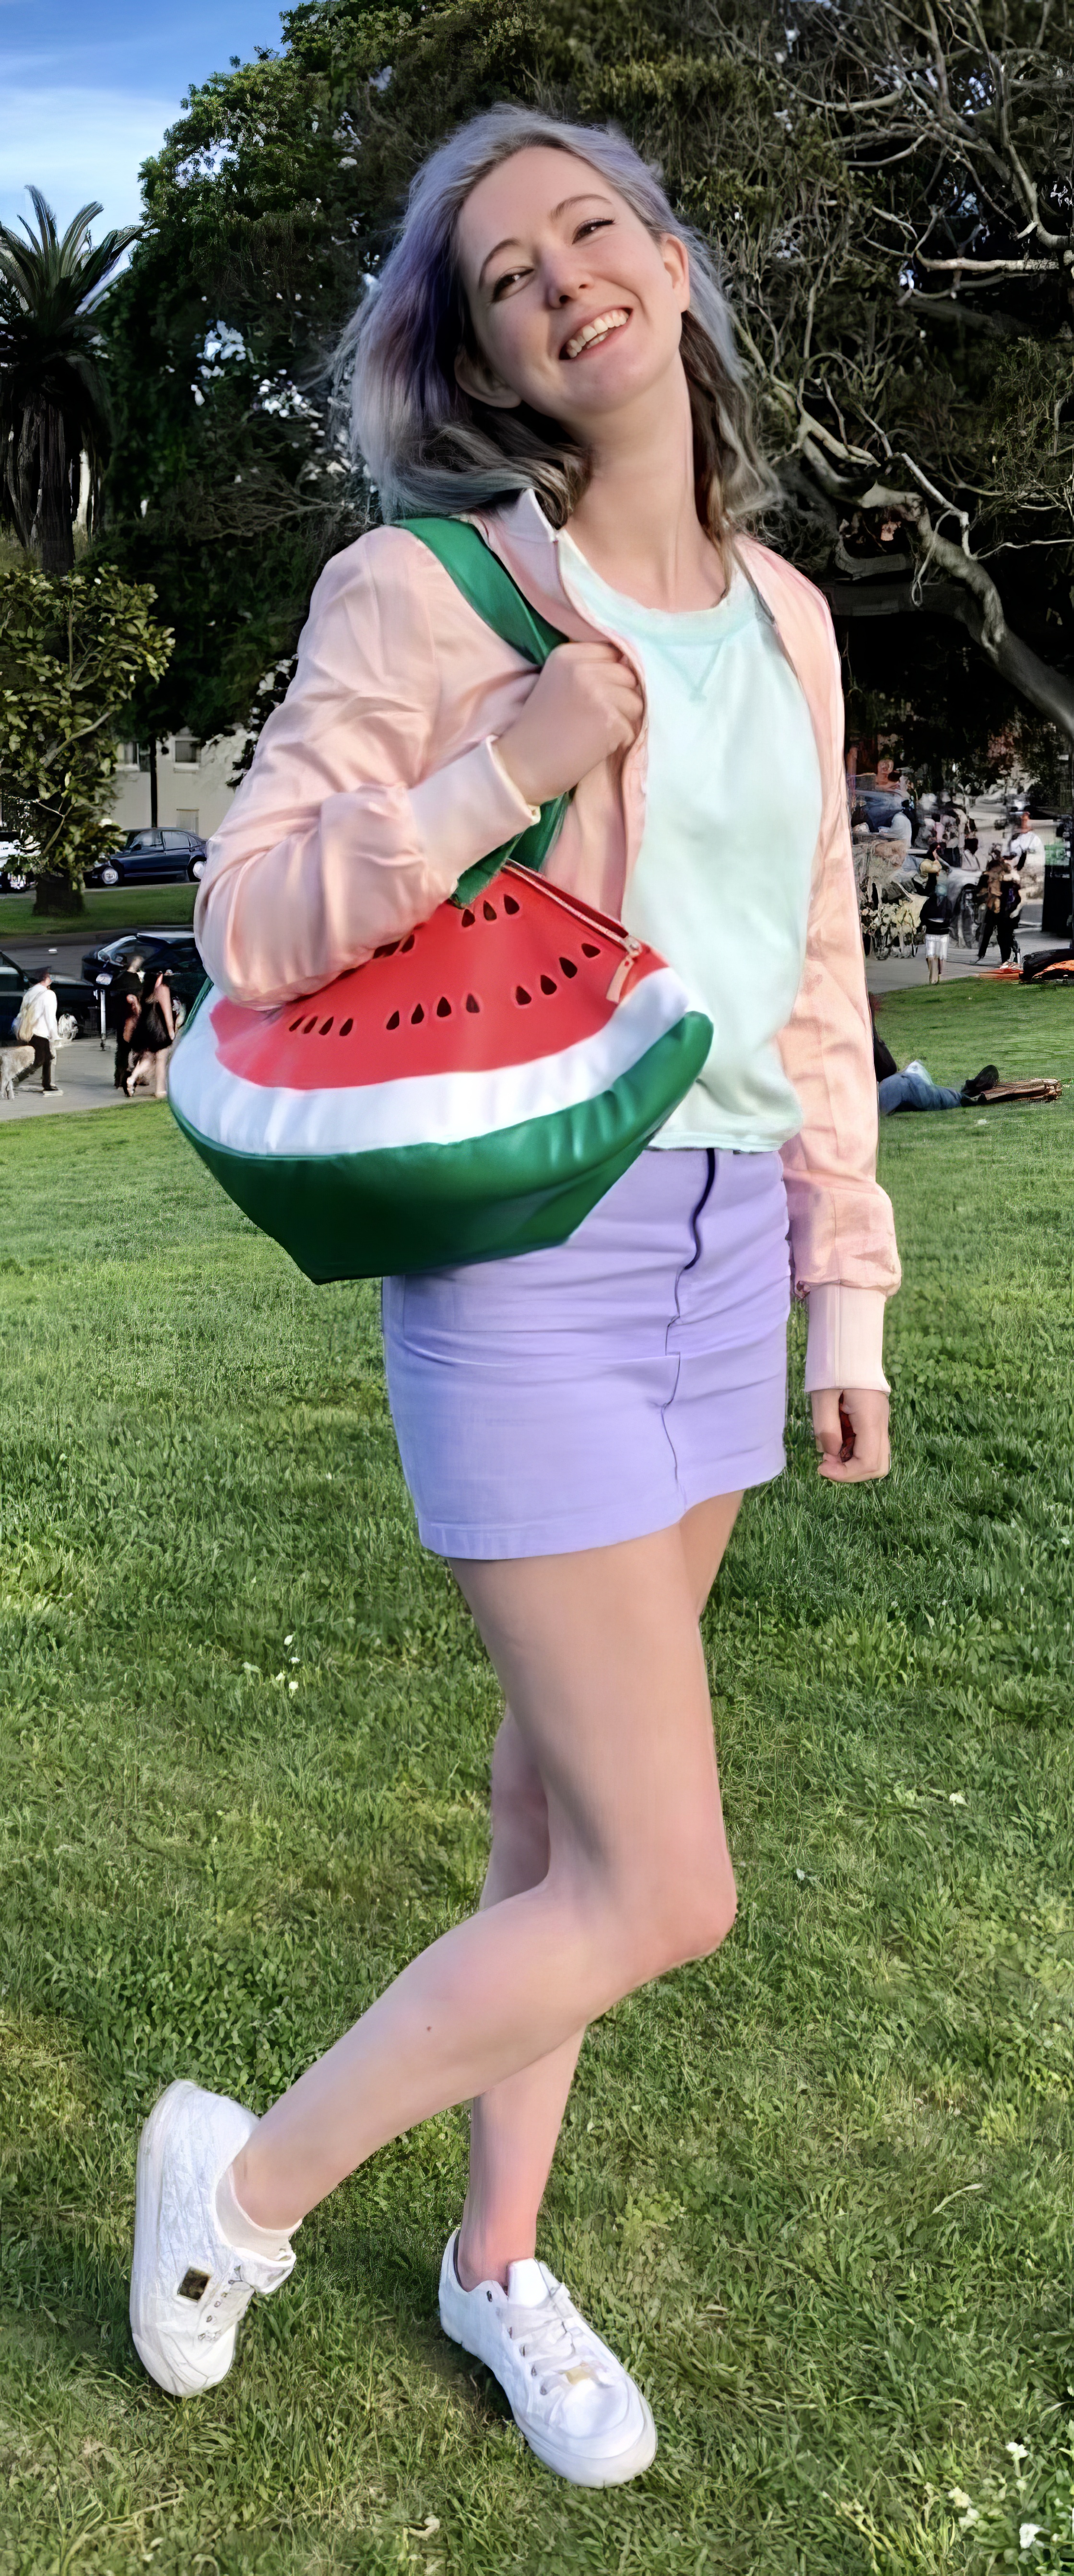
[464, 811]
[845, 1343]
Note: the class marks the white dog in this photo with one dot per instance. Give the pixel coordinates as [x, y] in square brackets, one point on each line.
[16, 1059]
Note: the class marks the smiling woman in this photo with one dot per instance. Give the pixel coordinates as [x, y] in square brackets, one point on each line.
[548, 355]
[435, 434]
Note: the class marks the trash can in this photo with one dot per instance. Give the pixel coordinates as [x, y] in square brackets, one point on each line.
[1055, 915]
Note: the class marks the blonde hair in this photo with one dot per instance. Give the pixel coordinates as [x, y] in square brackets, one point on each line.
[430, 447]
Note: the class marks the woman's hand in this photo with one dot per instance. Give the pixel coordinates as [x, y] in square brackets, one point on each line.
[850, 1424]
[585, 704]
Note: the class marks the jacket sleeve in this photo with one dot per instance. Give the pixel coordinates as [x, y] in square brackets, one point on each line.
[842, 1227]
[344, 834]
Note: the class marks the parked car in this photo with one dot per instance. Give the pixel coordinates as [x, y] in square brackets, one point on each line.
[174, 949]
[151, 857]
[14, 865]
[15, 980]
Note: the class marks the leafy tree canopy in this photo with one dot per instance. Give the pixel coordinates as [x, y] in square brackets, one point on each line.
[71, 652]
[890, 190]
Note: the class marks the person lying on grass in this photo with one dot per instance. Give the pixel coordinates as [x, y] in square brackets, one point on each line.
[548, 351]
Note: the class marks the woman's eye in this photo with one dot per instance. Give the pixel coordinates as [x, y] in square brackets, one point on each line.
[593, 224]
[510, 278]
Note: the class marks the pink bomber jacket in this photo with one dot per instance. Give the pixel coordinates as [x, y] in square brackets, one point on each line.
[376, 784]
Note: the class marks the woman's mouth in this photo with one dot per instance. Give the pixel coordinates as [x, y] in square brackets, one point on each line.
[592, 333]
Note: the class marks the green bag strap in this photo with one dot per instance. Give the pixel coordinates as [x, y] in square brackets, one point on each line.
[487, 586]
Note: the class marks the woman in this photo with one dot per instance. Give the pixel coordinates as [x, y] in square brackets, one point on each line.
[548, 352]
[153, 1034]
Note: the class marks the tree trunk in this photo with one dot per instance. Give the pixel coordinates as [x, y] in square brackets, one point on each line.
[153, 799]
[55, 534]
[56, 898]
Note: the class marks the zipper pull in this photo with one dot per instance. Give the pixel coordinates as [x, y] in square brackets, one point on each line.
[631, 949]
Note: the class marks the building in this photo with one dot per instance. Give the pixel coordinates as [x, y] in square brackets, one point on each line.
[193, 783]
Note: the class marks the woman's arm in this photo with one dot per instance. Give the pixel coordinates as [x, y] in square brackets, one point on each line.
[164, 997]
[842, 1228]
[347, 832]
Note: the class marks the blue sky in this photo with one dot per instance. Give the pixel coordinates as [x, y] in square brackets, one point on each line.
[86, 91]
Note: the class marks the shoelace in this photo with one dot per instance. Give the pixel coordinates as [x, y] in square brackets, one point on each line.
[230, 2303]
[553, 2340]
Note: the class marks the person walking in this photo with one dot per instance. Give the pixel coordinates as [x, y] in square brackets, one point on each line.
[1002, 906]
[548, 352]
[934, 919]
[127, 996]
[37, 1026]
[153, 1035]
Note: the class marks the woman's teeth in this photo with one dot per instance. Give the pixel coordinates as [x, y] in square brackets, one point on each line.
[597, 330]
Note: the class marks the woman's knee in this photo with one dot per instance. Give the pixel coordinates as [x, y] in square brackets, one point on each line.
[686, 1914]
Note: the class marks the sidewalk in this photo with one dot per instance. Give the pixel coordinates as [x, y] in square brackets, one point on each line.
[84, 1076]
[900, 974]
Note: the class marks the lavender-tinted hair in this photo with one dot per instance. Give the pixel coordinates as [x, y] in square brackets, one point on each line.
[430, 447]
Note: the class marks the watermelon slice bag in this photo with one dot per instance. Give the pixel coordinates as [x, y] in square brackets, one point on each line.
[474, 1088]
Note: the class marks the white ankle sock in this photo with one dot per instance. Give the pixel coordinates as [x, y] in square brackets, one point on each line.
[243, 2232]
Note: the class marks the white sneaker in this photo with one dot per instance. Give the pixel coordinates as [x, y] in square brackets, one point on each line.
[189, 2287]
[576, 2406]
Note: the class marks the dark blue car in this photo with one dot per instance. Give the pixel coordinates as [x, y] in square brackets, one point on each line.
[152, 857]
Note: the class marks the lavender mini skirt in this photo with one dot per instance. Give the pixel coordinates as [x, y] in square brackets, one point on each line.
[593, 1393]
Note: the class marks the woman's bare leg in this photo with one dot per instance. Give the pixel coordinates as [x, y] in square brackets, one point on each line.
[601, 1662]
[515, 2126]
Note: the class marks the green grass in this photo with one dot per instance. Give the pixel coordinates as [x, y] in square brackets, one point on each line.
[818, 2190]
[108, 908]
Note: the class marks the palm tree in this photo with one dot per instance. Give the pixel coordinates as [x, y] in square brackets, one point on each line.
[53, 406]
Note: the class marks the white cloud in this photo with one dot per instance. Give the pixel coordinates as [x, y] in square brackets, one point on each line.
[75, 145]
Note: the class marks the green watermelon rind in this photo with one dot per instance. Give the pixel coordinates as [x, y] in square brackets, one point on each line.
[429, 1207]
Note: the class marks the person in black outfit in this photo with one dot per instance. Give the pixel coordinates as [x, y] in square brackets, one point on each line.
[127, 991]
[935, 920]
[1002, 893]
[153, 1034]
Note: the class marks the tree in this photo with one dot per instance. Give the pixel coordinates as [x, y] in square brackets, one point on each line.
[72, 651]
[53, 409]
[917, 365]
[918, 416]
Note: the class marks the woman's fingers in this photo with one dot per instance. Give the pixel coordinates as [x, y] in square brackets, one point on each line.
[585, 705]
[850, 1425]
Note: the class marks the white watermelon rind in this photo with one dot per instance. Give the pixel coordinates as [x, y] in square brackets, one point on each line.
[423, 1206]
[247, 1117]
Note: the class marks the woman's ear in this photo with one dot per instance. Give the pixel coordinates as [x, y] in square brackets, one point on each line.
[483, 383]
[676, 259]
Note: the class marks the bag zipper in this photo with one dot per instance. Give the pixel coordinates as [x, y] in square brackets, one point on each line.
[587, 912]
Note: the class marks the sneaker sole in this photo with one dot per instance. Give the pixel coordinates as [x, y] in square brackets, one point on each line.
[148, 2342]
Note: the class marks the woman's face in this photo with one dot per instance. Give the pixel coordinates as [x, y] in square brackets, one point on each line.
[576, 309]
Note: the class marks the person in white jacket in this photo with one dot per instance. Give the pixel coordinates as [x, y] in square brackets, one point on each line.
[37, 1027]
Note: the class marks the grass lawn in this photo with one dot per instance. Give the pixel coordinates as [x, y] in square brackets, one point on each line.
[818, 2190]
[108, 908]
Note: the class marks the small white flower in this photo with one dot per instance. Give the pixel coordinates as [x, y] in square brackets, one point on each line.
[799, 1873]
[966, 2520]
[955, 1798]
[292, 1686]
[1018, 2452]
[959, 2498]
[249, 1668]
[279, 1677]
[1027, 2531]
[296, 1659]
[289, 1641]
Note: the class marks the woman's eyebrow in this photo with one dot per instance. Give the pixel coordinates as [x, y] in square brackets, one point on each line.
[511, 241]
